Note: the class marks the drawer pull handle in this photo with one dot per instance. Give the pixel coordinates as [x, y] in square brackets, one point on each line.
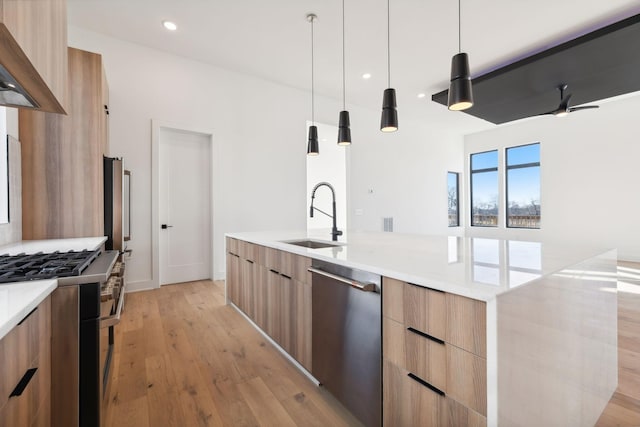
[24, 382]
[273, 271]
[284, 275]
[425, 287]
[250, 261]
[27, 316]
[426, 384]
[427, 336]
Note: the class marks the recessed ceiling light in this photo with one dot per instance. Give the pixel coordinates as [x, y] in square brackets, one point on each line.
[171, 26]
[366, 76]
[421, 95]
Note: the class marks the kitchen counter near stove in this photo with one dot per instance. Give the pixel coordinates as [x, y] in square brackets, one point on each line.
[52, 245]
[19, 298]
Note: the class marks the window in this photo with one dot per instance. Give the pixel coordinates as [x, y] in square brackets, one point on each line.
[484, 189]
[453, 199]
[523, 186]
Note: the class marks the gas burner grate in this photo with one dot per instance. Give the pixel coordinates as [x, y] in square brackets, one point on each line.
[39, 266]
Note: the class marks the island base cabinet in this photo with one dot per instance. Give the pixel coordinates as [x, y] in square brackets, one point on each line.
[407, 402]
[273, 288]
[233, 278]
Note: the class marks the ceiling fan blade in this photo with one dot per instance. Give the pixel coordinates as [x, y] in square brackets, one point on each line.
[547, 113]
[586, 107]
[564, 104]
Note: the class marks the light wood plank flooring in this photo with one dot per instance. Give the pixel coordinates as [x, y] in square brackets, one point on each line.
[184, 358]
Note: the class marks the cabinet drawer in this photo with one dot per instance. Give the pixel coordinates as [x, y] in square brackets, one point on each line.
[23, 410]
[272, 259]
[467, 324]
[412, 351]
[26, 347]
[19, 348]
[467, 379]
[407, 402]
[232, 245]
[424, 310]
[415, 306]
[295, 266]
[247, 250]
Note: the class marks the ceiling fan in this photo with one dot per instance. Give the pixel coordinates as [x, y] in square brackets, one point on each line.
[564, 109]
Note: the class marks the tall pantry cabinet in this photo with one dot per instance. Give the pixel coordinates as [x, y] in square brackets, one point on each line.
[62, 169]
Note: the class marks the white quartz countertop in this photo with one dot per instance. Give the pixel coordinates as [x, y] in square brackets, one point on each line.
[18, 299]
[52, 245]
[478, 268]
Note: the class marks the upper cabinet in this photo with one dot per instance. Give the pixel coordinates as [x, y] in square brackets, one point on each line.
[62, 166]
[33, 54]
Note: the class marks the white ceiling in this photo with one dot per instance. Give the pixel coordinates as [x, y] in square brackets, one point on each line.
[271, 39]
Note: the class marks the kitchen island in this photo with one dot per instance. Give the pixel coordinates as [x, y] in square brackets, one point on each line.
[531, 326]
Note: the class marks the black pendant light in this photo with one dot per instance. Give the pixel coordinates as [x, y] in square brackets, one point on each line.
[389, 120]
[312, 145]
[344, 132]
[460, 90]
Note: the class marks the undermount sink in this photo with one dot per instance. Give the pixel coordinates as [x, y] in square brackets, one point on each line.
[311, 244]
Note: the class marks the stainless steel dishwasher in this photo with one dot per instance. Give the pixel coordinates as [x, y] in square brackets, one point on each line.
[347, 326]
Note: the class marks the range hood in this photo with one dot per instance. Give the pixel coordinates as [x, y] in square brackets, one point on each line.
[12, 94]
[21, 77]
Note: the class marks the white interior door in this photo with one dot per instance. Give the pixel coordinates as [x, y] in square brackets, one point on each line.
[185, 206]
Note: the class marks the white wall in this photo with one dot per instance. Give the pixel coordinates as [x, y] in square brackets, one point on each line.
[589, 176]
[403, 175]
[260, 136]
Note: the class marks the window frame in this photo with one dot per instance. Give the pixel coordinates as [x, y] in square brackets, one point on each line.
[507, 168]
[471, 173]
[457, 175]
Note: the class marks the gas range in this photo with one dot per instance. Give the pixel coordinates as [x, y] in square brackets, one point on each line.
[39, 266]
[69, 268]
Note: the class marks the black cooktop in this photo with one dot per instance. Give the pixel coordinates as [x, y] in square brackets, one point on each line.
[21, 267]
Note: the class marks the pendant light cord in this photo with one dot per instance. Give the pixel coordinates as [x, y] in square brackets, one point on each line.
[343, 66]
[459, 29]
[312, 97]
[389, 45]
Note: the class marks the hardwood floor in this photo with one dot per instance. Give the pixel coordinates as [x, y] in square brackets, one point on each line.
[184, 358]
[623, 409]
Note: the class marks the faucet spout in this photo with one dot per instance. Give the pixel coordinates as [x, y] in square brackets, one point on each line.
[334, 230]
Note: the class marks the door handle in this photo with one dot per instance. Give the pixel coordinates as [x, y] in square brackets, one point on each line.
[165, 226]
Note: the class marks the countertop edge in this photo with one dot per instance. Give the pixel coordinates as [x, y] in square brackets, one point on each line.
[48, 287]
[52, 245]
[427, 282]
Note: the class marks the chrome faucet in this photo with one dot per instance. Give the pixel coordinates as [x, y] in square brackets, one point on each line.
[334, 231]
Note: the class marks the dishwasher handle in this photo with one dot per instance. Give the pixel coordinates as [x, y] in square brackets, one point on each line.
[365, 287]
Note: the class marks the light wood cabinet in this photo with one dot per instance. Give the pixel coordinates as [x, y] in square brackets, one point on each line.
[273, 288]
[25, 370]
[62, 166]
[434, 351]
[33, 48]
